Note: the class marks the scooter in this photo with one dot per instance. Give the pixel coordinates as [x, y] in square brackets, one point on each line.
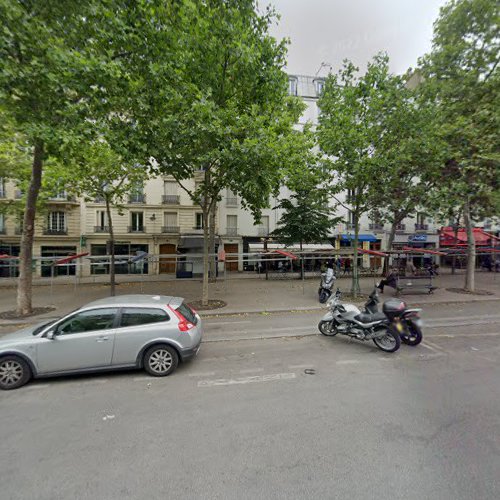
[325, 288]
[347, 319]
[409, 325]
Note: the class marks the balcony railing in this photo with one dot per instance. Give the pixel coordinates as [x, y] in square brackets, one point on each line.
[400, 227]
[99, 199]
[101, 229]
[63, 199]
[263, 231]
[136, 229]
[170, 199]
[421, 227]
[137, 198]
[55, 231]
[170, 229]
[231, 231]
[376, 227]
[232, 202]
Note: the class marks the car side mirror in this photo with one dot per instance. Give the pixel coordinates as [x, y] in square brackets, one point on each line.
[50, 334]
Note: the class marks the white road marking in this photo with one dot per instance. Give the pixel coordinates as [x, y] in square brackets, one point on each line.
[246, 380]
[252, 370]
[204, 374]
[434, 346]
[485, 334]
[428, 346]
[474, 348]
[347, 362]
[217, 323]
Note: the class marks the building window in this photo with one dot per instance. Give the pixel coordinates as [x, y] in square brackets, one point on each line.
[2, 187]
[56, 222]
[170, 222]
[2, 224]
[292, 86]
[60, 195]
[320, 85]
[351, 196]
[136, 222]
[263, 228]
[232, 225]
[231, 199]
[137, 193]
[170, 196]
[101, 222]
[199, 221]
[350, 219]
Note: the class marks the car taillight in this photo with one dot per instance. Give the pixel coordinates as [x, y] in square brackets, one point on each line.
[184, 324]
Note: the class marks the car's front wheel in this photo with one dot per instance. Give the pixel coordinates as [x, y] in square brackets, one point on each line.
[14, 372]
[160, 360]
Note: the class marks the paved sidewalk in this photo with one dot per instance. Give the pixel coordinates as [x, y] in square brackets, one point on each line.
[241, 295]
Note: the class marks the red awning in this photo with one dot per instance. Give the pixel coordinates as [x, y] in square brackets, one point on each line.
[69, 259]
[4, 256]
[481, 237]
[422, 250]
[373, 252]
[286, 254]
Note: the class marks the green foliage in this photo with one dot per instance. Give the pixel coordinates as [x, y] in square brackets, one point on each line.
[461, 76]
[229, 115]
[306, 218]
[410, 152]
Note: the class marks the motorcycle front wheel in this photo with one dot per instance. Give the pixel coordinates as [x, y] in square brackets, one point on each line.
[327, 328]
[390, 342]
[323, 296]
[412, 334]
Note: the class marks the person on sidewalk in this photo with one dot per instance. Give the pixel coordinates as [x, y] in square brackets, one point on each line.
[390, 280]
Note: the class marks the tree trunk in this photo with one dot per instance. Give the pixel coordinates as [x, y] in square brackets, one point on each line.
[24, 283]
[112, 279]
[211, 244]
[390, 241]
[471, 249]
[355, 276]
[454, 257]
[204, 298]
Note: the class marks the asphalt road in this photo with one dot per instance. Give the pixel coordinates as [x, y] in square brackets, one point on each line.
[295, 416]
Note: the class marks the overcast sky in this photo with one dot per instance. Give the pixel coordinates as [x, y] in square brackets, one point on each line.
[332, 30]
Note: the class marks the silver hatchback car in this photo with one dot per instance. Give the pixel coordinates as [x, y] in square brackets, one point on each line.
[152, 332]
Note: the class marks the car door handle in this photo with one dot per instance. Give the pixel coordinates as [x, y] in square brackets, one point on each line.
[102, 339]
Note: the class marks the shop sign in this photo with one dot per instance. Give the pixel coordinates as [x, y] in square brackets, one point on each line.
[417, 237]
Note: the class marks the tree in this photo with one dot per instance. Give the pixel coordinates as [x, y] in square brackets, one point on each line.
[58, 66]
[410, 152]
[461, 75]
[229, 121]
[349, 132]
[306, 217]
[99, 172]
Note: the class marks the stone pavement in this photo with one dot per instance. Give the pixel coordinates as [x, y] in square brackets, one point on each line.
[241, 295]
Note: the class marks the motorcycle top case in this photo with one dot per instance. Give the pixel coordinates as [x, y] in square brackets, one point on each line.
[393, 308]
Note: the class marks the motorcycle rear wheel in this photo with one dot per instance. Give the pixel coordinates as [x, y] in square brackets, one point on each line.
[390, 342]
[412, 334]
[327, 328]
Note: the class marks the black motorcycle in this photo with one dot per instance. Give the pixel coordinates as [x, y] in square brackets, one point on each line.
[409, 325]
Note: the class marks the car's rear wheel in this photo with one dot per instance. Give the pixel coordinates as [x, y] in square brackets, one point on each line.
[160, 360]
[14, 372]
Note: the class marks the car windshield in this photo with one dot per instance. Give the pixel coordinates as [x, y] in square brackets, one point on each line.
[37, 330]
